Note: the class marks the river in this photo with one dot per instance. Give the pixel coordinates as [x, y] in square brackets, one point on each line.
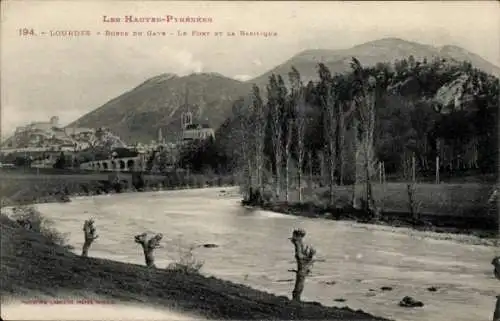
[354, 260]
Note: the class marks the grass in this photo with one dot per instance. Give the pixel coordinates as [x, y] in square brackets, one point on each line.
[31, 265]
[22, 187]
[185, 261]
[465, 199]
[453, 207]
[40, 224]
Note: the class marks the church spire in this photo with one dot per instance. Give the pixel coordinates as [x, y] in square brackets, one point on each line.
[187, 116]
[160, 136]
[186, 102]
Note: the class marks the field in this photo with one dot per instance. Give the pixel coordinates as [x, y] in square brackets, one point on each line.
[463, 204]
[446, 207]
[48, 185]
[462, 199]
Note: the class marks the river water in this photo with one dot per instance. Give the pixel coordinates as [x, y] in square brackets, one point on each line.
[354, 261]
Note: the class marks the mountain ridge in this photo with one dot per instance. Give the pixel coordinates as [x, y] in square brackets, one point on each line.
[384, 50]
[159, 101]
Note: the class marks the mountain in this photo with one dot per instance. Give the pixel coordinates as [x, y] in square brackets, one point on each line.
[461, 54]
[157, 103]
[369, 54]
[438, 108]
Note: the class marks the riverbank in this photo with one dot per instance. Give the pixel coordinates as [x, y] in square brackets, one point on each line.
[32, 267]
[441, 208]
[25, 188]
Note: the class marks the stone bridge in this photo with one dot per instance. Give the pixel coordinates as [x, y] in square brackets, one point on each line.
[125, 164]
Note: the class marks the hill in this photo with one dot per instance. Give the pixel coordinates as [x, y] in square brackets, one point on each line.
[33, 267]
[386, 50]
[158, 103]
[45, 137]
[423, 108]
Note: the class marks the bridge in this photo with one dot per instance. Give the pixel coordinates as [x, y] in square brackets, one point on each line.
[125, 164]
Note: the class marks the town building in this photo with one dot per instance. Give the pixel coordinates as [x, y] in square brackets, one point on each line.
[39, 126]
[192, 131]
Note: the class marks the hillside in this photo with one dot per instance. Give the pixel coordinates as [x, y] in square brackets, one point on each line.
[369, 54]
[423, 108]
[32, 267]
[36, 136]
[137, 115]
[157, 103]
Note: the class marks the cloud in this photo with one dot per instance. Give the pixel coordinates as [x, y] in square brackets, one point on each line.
[187, 62]
[257, 62]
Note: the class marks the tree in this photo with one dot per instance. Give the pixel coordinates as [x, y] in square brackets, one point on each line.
[148, 246]
[298, 96]
[275, 106]
[329, 106]
[304, 257]
[365, 125]
[246, 143]
[496, 313]
[60, 162]
[89, 231]
[260, 123]
[288, 156]
[345, 110]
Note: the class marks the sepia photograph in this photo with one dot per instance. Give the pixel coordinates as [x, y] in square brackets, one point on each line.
[249, 160]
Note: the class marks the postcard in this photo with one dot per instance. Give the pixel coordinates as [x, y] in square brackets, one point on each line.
[291, 160]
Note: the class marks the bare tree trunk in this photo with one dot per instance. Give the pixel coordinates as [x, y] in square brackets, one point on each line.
[339, 145]
[247, 146]
[298, 98]
[496, 267]
[148, 246]
[412, 204]
[367, 122]
[278, 168]
[309, 154]
[277, 142]
[331, 168]
[304, 257]
[247, 176]
[288, 157]
[437, 170]
[300, 122]
[299, 174]
[496, 313]
[90, 236]
[260, 120]
[330, 113]
[322, 165]
[358, 181]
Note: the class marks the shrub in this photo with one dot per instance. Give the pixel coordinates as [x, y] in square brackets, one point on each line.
[40, 224]
[186, 261]
[138, 180]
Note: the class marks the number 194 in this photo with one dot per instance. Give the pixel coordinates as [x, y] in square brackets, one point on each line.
[26, 32]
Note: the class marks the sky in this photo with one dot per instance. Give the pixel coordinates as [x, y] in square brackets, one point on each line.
[44, 75]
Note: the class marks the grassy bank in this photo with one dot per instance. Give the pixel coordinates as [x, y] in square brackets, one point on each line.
[22, 187]
[459, 208]
[32, 265]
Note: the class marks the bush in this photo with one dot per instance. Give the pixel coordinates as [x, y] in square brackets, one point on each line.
[138, 180]
[186, 262]
[40, 224]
